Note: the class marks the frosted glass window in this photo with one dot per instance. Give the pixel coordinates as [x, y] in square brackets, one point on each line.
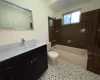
[72, 17]
[75, 17]
[67, 19]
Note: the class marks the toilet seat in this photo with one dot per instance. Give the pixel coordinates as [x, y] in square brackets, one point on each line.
[53, 54]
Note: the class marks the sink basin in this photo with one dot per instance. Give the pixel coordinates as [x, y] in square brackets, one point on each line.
[28, 44]
[31, 43]
[19, 46]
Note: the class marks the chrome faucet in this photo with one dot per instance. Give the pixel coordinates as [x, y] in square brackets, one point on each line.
[23, 41]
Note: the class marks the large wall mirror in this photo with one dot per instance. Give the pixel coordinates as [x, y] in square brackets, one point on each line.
[14, 17]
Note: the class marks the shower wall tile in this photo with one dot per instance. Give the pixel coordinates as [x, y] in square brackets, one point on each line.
[74, 33]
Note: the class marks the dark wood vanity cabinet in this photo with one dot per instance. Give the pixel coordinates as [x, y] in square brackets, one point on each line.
[27, 66]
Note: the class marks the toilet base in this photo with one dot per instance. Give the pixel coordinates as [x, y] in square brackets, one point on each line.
[54, 62]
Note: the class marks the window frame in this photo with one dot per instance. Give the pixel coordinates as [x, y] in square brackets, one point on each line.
[70, 17]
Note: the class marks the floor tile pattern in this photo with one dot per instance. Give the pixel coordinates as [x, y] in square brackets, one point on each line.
[67, 71]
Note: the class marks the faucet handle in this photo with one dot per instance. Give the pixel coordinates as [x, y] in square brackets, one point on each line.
[23, 40]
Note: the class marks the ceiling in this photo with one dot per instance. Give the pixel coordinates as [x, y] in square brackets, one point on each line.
[62, 4]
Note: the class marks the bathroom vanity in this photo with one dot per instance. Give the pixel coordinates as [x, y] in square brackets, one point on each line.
[26, 64]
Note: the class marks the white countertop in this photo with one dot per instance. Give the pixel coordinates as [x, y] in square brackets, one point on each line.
[12, 50]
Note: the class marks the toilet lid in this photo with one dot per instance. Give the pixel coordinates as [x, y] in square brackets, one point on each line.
[53, 54]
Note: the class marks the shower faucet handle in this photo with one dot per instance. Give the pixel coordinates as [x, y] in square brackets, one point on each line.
[57, 31]
[69, 41]
[53, 40]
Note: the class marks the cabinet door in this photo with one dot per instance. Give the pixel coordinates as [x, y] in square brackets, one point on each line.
[25, 69]
[34, 64]
[41, 63]
[6, 75]
[7, 70]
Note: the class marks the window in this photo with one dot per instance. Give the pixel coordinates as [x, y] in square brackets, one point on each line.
[72, 17]
[67, 19]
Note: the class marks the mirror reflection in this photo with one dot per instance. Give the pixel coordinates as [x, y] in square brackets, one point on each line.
[14, 17]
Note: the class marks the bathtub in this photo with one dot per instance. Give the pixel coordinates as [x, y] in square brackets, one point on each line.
[73, 55]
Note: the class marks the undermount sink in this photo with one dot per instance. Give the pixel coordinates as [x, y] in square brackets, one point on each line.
[27, 45]
[19, 46]
[30, 44]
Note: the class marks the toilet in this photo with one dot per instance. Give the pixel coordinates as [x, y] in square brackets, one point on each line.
[53, 56]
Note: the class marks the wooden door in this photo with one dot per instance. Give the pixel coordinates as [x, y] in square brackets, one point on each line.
[52, 31]
[58, 31]
[98, 31]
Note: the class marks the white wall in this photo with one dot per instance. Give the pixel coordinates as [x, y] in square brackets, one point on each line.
[92, 5]
[51, 1]
[41, 11]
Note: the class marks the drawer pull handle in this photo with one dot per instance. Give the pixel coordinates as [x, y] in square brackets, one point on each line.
[8, 68]
[57, 31]
[33, 61]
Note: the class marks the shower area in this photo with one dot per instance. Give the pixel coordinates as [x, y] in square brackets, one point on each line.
[78, 43]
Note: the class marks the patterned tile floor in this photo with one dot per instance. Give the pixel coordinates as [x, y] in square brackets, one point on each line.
[67, 71]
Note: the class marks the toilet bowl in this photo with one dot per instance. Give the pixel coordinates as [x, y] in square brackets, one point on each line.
[53, 56]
